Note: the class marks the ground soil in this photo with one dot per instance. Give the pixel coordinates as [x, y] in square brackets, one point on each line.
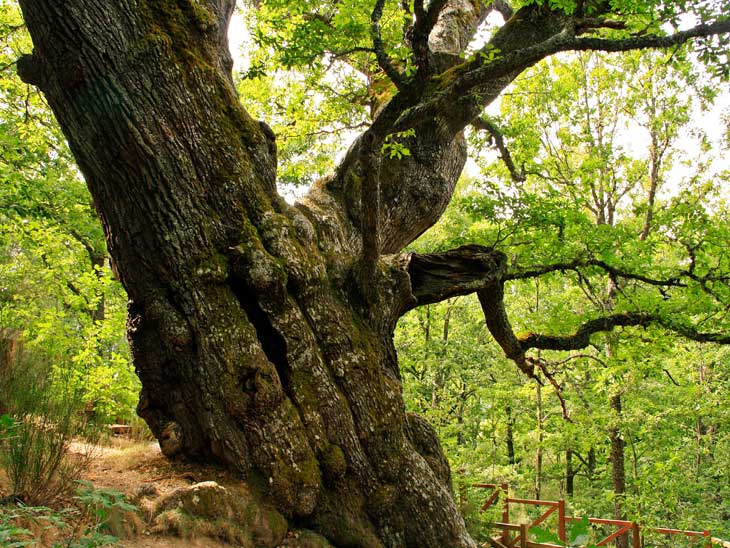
[130, 466]
[134, 467]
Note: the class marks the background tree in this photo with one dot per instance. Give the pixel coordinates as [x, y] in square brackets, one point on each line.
[262, 331]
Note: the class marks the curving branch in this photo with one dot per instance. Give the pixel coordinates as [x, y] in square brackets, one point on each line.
[581, 338]
[464, 94]
[515, 348]
[677, 280]
[457, 24]
[381, 55]
[426, 20]
[567, 40]
[495, 314]
[518, 176]
[672, 281]
[476, 269]
[436, 277]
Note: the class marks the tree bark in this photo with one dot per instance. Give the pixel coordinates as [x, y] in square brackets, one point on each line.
[510, 436]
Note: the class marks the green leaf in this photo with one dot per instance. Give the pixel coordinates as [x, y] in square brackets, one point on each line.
[545, 536]
[578, 535]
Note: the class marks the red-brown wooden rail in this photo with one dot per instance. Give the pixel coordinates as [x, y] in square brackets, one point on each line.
[624, 527]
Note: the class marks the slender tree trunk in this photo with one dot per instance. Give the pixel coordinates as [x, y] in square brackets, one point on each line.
[592, 463]
[569, 473]
[618, 473]
[539, 451]
[510, 436]
[10, 347]
[460, 410]
[97, 264]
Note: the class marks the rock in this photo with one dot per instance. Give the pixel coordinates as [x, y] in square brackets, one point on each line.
[303, 538]
[171, 439]
[209, 509]
[145, 490]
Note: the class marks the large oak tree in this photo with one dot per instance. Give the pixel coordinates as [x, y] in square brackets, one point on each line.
[262, 331]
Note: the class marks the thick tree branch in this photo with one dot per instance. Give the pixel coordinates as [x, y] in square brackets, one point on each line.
[581, 338]
[425, 22]
[381, 55]
[469, 269]
[458, 22]
[647, 41]
[439, 276]
[477, 73]
[515, 348]
[495, 314]
[369, 166]
[568, 41]
[497, 138]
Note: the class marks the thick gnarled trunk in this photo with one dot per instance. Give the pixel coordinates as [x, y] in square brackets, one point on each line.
[254, 342]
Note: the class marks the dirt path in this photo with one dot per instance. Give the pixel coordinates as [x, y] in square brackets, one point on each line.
[170, 542]
[149, 481]
[135, 467]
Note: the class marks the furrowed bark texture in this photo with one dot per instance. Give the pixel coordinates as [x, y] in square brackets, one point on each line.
[255, 346]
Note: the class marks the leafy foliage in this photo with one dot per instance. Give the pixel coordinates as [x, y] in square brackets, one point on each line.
[58, 298]
[572, 126]
[88, 526]
[587, 194]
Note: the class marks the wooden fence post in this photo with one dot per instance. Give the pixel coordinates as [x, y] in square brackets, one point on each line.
[708, 538]
[524, 531]
[505, 513]
[636, 536]
[561, 520]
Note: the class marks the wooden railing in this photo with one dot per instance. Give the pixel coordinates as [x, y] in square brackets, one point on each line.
[630, 529]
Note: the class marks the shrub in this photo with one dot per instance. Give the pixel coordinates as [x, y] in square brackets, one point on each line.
[42, 418]
[101, 518]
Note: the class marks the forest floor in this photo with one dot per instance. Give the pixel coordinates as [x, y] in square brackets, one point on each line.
[131, 466]
[139, 471]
